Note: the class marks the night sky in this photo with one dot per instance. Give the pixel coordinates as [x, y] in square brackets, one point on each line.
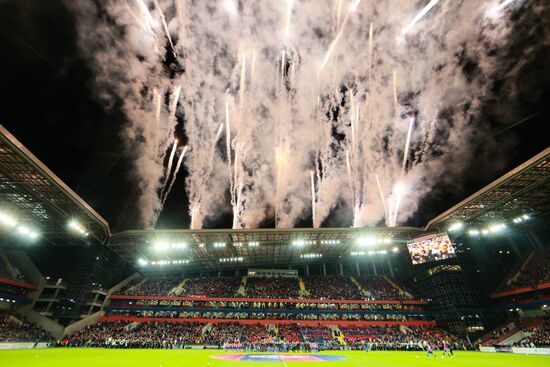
[49, 103]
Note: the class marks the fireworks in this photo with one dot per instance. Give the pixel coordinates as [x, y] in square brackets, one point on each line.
[313, 216]
[419, 16]
[178, 165]
[283, 112]
[339, 34]
[407, 143]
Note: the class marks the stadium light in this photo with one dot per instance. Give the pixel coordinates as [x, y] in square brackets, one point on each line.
[253, 244]
[231, 259]
[299, 243]
[358, 253]
[395, 249]
[521, 218]
[7, 220]
[161, 246]
[455, 227]
[497, 228]
[311, 256]
[366, 241]
[77, 228]
[219, 244]
[142, 262]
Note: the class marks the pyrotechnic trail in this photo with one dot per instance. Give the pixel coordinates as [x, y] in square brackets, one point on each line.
[338, 14]
[279, 164]
[288, 15]
[350, 180]
[148, 21]
[339, 34]
[163, 20]
[173, 108]
[398, 192]
[407, 144]
[170, 161]
[158, 106]
[502, 5]
[228, 148]
[313, 216]
[194, 212]
[174, 175]
[419, 16]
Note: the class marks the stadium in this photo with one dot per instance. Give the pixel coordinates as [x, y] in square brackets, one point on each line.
[230, 183]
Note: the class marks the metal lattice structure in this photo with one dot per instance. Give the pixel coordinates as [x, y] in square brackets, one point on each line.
[29, 190]
[525, 189]
[257, 247]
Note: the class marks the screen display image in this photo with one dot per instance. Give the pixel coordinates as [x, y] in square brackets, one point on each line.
[431, 248]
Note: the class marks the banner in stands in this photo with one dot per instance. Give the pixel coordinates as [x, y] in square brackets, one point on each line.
[267, 322]
[434, 247]
[4, 346]
[516, 350]
[281, 300]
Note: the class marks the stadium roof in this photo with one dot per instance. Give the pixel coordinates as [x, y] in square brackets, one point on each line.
[36, 198]
[222, 248]
[523, 190]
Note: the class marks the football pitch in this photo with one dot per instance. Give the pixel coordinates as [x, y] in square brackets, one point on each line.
[191, 358]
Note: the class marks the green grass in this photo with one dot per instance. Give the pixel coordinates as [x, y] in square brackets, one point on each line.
[191, 358]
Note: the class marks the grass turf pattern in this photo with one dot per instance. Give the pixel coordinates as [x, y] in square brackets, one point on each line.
[76, 357]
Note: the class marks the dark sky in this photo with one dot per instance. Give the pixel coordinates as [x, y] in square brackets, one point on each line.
[49, 104]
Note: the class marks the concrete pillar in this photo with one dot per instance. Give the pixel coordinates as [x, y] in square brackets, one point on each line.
[357, 271]
[307, 270]
[341, 269]
[374, 272]
[324, 269]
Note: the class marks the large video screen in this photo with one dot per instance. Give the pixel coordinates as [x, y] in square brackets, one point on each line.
[431, 248]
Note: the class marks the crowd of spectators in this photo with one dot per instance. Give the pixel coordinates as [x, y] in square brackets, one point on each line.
[154, 286]
[176, 335]
[16, 329]
[166, 335]
[537, 271]
[539, 336]
[331, 287]
[272, 288]
[234, 333]
[379, 288]
[212, 287]
[324, 287]
[290, 333]
[412, 338]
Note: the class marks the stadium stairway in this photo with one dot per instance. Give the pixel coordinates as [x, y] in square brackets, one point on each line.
[360, 287]
[303, 291]
[516, 272]
[396, 286]
[242, 288]
[177, 290]
[514, 336]
[206, 328]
